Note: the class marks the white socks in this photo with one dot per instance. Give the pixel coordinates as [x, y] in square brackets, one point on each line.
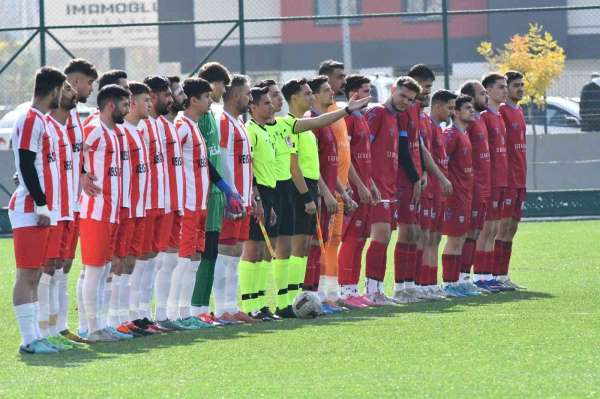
[26, 320]
[219, 283]
[162, 285]
[44, 301]
[53, 308]
[146, 288]
[187, 289]
[231, 289]
[124, 294]
[175, 288]
[83, 326]
[63, 299]
[90, 290]
[372, 286]
[135, 287]
[113, 306]
[349, 290]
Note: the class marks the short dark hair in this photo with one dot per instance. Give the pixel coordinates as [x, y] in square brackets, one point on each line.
[266, 83]
[157, 83]
[237, 80]
[327, 67]
[421, 72]
[355, 82]
[468, 88]
[443, 96]
[316, 82]
[256, 94]
[82, 66]
[47, 79]
[111, 77]
[138, 88]
[491, 78]
[174, 79]
[409, 83]
[111, 92]
[214, 72]
[462, 100]
[291, 87]
[195, 87]
[513, 75]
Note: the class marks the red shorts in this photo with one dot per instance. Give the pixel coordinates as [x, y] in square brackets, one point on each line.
[356, 224]
[169, 230]
[456, 220]
[426, 213]
[478, 210]
[55, 240]
[234, 231]
[193, 232]
[437, 215]
[496, 204]
[70, 238]
[96, 240]
[124, 234]
[514, 203]
[407, 213]
[30, 244]
[383, 212]
[151, 231]
[136, 246]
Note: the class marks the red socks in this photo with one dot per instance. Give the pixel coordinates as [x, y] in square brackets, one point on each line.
[451, 268]
[313, 269]
[467, 255]
[405, 262]
[349, 259]
[376, 259]
[481, 265]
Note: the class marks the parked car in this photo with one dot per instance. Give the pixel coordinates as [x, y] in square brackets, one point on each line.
[560, 115]
[8, 120]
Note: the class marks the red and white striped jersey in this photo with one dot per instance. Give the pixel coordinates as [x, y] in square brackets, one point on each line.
[31, 133]
[138, 156]
[155, 194]
[91, 118]
[75, 132]
[174, 179]
[236, 153]
[125, 166]
[195, 163]
[101, 158]
[65, 193]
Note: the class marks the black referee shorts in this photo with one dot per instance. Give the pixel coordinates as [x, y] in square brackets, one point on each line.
[305, 224]
[285, 207]
[268, 198]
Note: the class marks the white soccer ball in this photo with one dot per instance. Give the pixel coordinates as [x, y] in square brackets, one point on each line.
[307, 305]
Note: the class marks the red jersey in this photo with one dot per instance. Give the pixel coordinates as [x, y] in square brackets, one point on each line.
[426, 137]
[411, 126]
[438, 153]
[360, 146]
[75, 133]
[91, 118]
[460, 166]
[328, 155]
[236, 154]
[102, 159]
[497, 143]
[31, 133]
[64, 154]
[383, 128]
[516, 145]
[195, 163]
[478, 136]
[155, 194]
[138, 158]
[125, 166]
[174, 178]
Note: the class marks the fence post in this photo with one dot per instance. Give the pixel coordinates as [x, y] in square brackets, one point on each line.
[445, 40]
[42, 33]
[242, 36]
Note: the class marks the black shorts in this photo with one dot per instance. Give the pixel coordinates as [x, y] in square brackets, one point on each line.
[285, 207]
[305, 223]
[268, 198]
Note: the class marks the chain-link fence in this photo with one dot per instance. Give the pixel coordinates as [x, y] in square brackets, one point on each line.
[281, 39]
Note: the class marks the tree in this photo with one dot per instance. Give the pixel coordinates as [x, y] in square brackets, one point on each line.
[17, 79]
[538, 57]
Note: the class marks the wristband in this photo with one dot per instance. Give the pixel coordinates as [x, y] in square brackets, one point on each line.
[348, 110]
[306, 197]
[42, 211]
[257, 198]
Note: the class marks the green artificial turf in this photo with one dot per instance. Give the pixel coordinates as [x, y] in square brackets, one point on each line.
[542, 342]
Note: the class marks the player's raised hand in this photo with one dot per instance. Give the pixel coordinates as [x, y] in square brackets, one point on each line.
[354, 104]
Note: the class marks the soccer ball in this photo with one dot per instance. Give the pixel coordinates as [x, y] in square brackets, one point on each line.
[307, 305]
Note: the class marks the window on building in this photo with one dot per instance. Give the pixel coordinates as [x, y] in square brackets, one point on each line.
[336, 7]
[423, 6]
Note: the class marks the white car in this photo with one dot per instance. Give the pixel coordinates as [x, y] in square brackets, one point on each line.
[8, 121]
[561, 115]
